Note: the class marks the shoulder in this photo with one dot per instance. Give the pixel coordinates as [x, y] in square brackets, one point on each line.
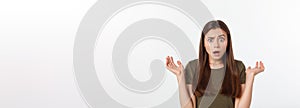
[241, 69]
[193, 63]
[239, 63]
[240, 66]
[190, 70]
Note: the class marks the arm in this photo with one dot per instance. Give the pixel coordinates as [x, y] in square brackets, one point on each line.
[187, 99]
[245, 100]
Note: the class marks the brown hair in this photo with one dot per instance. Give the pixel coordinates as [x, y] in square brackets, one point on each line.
[231, 85]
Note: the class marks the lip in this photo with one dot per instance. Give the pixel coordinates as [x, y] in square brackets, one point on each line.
[216, 52]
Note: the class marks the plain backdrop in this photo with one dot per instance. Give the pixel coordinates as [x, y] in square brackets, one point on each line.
[37, 37]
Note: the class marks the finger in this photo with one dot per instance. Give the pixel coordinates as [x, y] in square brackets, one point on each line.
[179, 63]
[262, 65]
[172, 61]
[167, 60]
[256, 65]
[249, 67]
[170, 64]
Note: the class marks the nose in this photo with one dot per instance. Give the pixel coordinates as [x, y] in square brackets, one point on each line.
[216, 44]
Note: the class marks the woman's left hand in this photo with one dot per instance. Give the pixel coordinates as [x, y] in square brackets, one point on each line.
[259, 67]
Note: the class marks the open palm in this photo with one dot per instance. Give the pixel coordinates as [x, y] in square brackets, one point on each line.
[171, 66]
[259, 67]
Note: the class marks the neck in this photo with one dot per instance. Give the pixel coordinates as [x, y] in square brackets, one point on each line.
[212, 61]
[215, 64]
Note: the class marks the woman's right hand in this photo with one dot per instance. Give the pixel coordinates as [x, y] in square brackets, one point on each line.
[171, 66]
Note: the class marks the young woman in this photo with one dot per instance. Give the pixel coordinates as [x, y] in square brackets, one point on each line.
[215, 78]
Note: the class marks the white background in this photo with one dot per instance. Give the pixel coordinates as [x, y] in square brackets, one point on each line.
[37, 36]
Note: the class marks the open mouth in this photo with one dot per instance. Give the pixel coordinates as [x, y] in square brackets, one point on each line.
[216, 52]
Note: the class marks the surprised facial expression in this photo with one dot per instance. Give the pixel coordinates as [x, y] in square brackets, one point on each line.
[215, 43]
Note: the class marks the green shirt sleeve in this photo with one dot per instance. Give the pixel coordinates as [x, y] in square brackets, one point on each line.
[189, 71]
[242, 71]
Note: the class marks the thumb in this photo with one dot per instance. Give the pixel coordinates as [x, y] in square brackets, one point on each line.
[179, 63]
[249, 67]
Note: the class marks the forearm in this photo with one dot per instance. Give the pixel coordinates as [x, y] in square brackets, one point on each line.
[246, 97]
[185, 99]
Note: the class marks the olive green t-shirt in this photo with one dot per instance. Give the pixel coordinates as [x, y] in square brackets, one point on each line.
[216, 100]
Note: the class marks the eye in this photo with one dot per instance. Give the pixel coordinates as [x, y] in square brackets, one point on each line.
[210, 40]
[221, 39]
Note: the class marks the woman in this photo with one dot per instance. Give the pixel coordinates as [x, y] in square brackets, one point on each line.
[215, 75]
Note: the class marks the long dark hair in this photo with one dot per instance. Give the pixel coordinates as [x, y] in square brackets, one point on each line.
[231, 85]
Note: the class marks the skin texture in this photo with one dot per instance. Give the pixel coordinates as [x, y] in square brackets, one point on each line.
[215, 40]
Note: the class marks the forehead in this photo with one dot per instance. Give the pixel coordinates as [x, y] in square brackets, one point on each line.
[215, 32]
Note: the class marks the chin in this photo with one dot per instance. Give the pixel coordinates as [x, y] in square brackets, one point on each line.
[217, 58]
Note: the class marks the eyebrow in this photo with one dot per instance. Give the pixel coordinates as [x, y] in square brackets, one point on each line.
[217, 36]
[221, 35]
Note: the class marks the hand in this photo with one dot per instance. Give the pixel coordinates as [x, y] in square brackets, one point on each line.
[177, 70]
[254, 71]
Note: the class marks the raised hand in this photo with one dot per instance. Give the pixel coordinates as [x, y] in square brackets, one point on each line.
[171, 66]
[259, 67]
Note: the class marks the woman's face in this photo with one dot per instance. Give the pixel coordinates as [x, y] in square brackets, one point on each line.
[215, 43]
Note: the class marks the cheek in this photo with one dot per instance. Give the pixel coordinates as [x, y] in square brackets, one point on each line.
[224, 46]
[207, 47]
